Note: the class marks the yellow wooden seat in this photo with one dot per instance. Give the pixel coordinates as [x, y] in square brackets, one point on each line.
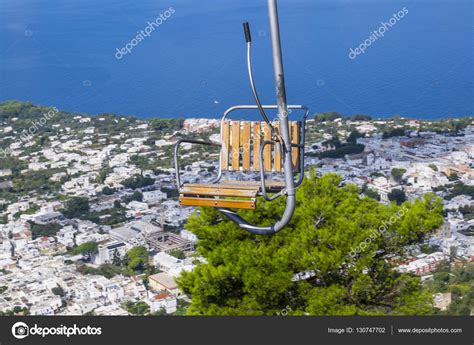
[227, 194]
[240, 149]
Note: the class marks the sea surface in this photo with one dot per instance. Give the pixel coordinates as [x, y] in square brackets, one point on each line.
[63, 53]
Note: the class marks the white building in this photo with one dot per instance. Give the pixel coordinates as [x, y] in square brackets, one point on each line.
[65, 236]
[188, 235]
[113, 292]
[166, 262]
[137, 206]
[107, 250]
[162, 300]
[154, 197]
[424, 264]
[5, 172]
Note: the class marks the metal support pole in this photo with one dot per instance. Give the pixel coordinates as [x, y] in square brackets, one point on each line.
[284, 134]
[282, 110]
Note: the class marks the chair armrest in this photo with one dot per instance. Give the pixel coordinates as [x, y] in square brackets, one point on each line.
[176, 152]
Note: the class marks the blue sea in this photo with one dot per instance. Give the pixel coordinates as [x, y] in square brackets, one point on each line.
[63, 53]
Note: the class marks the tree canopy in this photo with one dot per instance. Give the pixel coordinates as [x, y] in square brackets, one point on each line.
[137, 258]
[327, 116]
[138, 181]
[398, 173]
[397, 195]
[76, 207]
[89, 248]
[395, 132]
[247, 274]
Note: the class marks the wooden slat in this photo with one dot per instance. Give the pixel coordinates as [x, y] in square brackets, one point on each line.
[295, 139]
[256, 144]
[217, 190]
[236, 139]
[277, 154]
[209, 202]
[245, 143]
[249, 185]
[225, 134]
[235, 145]
[271, 185]
[267, 152]
[241, 189]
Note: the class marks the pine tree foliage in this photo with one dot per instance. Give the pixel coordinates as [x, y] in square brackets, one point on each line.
[247, 274]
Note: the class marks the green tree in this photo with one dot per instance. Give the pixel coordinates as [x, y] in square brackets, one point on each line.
[106, 270]
[58, 290]
[103, 174]
[137, 258]
[459, 188]
[396, 132]
[342, 151]
[108, 191]
[166, 125]
[352, 138]
[397, 195]
[457, 279]
[138, 181]
[398, 173]
[247, 274]
[453, 177]
[161, 312]
[371, 193]
[136, 196]
[89, 248]
[361, 117]
[179, 254]
[142, 162]
[77, 207]
[40, 230]
[327, 116]
[138, 308]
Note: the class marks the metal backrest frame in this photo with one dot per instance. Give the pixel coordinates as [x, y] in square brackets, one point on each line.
[299, 146]
[241, 143]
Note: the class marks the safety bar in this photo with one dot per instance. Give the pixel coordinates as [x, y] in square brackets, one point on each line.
[176, 161]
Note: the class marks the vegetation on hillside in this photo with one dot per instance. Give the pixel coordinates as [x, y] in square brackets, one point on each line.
[458, 280]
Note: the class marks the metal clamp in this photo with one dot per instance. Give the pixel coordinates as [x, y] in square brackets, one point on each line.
[262, 172]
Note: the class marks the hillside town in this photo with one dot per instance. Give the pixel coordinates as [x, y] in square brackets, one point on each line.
[94, 226]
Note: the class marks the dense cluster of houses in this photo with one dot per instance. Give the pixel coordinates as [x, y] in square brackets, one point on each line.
[38, 272]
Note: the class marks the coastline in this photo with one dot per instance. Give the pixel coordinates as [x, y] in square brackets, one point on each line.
[218, 116]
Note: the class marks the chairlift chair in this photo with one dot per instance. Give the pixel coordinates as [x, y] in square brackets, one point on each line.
[254, 147]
